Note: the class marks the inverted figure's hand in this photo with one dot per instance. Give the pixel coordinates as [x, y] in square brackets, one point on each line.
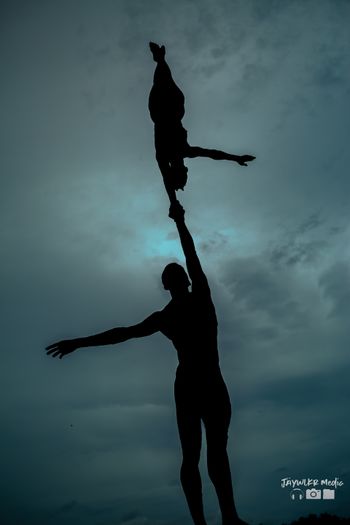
[243, 159]
[62, 348]
[176, 211]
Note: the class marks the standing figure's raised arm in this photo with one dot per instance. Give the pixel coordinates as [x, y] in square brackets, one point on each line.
[195, 271]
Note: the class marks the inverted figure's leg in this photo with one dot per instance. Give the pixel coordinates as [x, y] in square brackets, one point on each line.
[162, 74]
[196, 151]
[166, 100]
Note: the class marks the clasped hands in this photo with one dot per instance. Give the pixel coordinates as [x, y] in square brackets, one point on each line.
[176, 211]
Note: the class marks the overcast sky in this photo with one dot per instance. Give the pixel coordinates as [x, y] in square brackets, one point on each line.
[92, 439]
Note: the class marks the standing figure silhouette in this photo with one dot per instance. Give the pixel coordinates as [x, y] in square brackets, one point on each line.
[189, 321]
[166, 105]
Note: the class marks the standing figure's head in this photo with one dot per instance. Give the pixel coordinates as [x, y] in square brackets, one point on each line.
[175, 279]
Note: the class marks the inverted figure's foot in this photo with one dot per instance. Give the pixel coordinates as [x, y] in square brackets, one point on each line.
[157, 51]
[243, 159]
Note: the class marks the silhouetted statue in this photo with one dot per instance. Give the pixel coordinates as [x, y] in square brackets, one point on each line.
[189, 321]
[167, 107]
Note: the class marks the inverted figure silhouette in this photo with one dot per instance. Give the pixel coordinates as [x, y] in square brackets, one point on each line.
[189, 321]
[166, 105]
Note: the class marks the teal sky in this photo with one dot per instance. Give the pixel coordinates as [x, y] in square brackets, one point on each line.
[85, 236]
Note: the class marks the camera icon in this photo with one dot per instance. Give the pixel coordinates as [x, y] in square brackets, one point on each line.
[313, 494]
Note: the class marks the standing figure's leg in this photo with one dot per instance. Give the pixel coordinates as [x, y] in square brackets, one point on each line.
[190, 432]
[216, 421]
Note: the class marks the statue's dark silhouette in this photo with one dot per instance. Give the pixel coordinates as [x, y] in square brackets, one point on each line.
[167, 107]
[189, 321]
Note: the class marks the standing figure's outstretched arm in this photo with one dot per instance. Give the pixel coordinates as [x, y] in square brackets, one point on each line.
[195, 271]
[215, 154]
[111, 337]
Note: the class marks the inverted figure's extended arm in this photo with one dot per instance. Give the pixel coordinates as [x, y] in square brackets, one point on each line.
[216, 154]
[195, 271]
[149, 326]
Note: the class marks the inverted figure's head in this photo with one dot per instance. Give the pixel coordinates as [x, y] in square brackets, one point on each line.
[175, 279]
[179, 175]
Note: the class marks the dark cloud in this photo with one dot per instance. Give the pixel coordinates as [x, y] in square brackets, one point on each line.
[306, 244]
[313, 221]
[214, 244]
[130, 516]
[307, 391]
[295, 252]
[335, 285]
[66, 507]
[255, 288]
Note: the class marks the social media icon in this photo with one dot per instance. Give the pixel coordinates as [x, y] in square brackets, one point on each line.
[313, 493]
[296, 494]
[328, 493]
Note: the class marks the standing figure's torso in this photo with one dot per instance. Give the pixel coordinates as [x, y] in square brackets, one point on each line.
[190, 323]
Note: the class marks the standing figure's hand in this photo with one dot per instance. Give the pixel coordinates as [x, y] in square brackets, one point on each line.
[176, 211]
[243, 159]
[62, 348]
